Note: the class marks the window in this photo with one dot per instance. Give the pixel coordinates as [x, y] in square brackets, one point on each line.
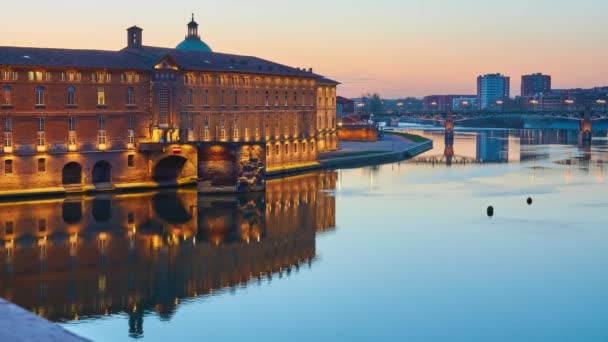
[71, 95]
[102, 123]
[131, 217]
[41, 165]
[14, 75]
[246, 97]
[8, 135]
[5, 75]
[276, 99]
[131, 160]
[267, 100]
[304, 147]
[276, 149]
[295, 147]
[6, 95]
[190, 97]
[222, 97]
[37, 75]
[42, 225]
[312, 146]
[72, 123]
[267, 150]
[8, 167]
[206, 97]
[164, 106]
[40, 95]
[286, 99]
[286, 148]
[236, 97]
[9, 228]
[101, 96]
[130, 96]
[102, 138]
[41, 137]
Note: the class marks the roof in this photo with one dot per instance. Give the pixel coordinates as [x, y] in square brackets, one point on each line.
[145, 58]
[193, 45]
[47, 57]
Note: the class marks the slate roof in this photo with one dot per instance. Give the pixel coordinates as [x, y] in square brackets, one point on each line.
[145, 58]
[48, 57]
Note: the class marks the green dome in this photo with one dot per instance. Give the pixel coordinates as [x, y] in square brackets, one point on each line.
[193, 45]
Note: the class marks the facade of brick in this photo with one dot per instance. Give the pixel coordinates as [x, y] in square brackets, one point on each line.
[123, 121]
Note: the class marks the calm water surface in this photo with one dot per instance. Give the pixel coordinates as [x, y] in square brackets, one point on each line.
[393, 252]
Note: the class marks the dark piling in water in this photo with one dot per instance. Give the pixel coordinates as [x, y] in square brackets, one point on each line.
[529, 201]
[490, 211]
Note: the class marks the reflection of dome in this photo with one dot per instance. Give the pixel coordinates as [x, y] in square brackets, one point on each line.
[193, 41]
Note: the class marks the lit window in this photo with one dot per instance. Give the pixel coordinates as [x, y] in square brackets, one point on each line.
[101, 96]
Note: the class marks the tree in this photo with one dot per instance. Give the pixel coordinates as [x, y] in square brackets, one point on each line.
[372, 104]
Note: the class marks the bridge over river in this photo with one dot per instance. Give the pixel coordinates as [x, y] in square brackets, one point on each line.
[585, 117]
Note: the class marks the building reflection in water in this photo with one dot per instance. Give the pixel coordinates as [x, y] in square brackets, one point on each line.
[498, 146]
[84, 257]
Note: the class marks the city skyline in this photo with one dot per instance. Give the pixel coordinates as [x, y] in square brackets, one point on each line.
[395, 48]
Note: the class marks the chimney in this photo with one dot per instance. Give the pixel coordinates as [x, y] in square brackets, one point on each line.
[134, 36]
[310, 70]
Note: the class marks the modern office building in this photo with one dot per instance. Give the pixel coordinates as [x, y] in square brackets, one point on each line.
[492, 91]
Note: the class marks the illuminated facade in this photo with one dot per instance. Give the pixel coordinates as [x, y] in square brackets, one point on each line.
[78, 258]
[78, 120]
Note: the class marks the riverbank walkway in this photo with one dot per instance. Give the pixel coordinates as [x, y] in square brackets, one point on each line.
[17, 325]
[390, 148]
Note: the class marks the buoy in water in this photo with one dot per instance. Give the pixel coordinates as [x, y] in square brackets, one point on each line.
[529, 201]
[490, 211]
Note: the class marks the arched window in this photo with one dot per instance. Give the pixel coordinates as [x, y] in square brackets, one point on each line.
[39, 95]
[71, 95]
[6, 95]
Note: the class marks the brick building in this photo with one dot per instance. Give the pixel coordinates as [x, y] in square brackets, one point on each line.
[79, 120]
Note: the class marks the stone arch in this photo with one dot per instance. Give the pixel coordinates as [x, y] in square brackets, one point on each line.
[169, 169]
[71, 174]
[102, 172]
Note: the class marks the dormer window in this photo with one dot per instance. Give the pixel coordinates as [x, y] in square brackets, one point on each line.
[129, 77]
[38, 76]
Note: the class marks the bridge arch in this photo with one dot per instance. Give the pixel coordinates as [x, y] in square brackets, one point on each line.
[169, 169]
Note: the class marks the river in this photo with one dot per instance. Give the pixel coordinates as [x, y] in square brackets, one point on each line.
[401, 251]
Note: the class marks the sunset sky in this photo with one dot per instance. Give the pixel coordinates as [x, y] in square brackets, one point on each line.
[396, 47]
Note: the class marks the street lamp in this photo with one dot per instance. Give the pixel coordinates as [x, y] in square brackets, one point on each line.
[534, 103]
[601, 102]
[499, 104]
[569, 102]
[399, 105]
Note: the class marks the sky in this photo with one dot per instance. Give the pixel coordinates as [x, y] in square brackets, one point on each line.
[395, 47]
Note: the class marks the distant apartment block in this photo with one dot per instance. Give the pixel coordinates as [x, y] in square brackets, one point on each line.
[464, 102]
[492, 91]
[535, 84]
[445, 102]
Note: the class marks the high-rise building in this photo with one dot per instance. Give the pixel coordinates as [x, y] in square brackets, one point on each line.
[492, 90]
[535, 84]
